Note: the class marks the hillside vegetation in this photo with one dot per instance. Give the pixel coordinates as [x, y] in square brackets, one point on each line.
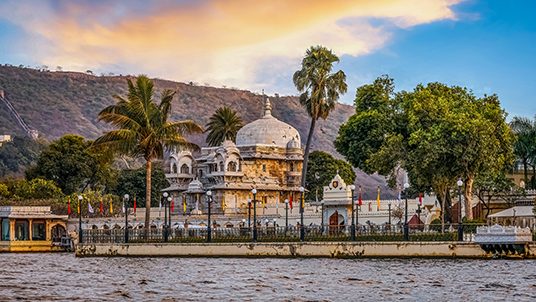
[58, 103]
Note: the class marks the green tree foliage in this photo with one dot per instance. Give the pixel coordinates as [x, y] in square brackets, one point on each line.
[143, 128]
[4, 191]
[320, 89]
[366, 131]
[525, 146]
[18, 154]
[70, 163]
[322, 168]
[36, 188]
[436, 133]
[132, 182]
[223, 125]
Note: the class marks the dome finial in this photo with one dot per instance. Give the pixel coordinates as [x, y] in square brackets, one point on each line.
[267, 107]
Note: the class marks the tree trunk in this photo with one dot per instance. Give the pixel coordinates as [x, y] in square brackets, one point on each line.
[468, 197]
[533, 180]
[148, 168]
[526, 176]
[307, 149]
[442, 200]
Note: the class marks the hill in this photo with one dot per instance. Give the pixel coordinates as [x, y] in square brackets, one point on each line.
[58, 103]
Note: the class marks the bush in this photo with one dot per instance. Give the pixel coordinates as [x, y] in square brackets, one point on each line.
[435, 225]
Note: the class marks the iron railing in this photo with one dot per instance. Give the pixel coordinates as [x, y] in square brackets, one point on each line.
[277, 234]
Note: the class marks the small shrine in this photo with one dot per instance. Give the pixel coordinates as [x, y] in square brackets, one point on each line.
[337, 203]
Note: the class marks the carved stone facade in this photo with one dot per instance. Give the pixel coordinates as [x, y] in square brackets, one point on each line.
[267, 156]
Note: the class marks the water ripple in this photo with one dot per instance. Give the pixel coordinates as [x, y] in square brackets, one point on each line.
[62, 277]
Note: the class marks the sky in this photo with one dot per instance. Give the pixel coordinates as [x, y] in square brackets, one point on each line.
[486, 46]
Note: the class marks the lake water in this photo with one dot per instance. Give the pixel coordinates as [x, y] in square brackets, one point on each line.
[62, 277]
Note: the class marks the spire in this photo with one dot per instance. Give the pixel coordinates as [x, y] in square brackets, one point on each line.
[267, 108]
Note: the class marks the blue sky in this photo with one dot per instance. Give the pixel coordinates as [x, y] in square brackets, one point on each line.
[490, 49]
[486, 46]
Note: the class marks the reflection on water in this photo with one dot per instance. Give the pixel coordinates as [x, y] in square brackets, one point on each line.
[60, 277]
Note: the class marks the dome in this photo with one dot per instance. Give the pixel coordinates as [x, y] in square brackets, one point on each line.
[268, 131]
[293, 144]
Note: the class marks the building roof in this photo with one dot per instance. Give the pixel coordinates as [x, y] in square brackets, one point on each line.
[24, 212]
[268, 131]
[520, 211]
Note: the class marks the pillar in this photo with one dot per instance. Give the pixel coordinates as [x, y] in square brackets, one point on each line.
[12, 229]
[30, 229]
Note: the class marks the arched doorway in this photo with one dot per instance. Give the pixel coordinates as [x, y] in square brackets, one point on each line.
[336, 222]
[58, 231]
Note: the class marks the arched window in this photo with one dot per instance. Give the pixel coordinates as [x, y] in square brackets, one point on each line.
[185, 169]
[200, 173]
[221, 167]
[291, 168]
[231, 166]
[264, 168]
[174, 168]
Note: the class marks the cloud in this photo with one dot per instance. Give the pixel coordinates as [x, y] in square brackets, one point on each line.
[241, 43]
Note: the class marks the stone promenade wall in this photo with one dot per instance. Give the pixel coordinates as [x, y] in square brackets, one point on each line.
[309, 249]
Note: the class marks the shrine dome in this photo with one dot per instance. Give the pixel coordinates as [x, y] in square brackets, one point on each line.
[268, 131]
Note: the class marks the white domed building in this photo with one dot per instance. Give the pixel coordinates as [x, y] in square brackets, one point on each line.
[267, 156]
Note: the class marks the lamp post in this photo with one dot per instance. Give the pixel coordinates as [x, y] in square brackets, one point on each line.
[125, 200]
[352, 228]
[406, 226]
[80, 219]
[169, 216]
[322, 223]
[249, 214]
[302, 229]
[164, 199]
[460, 223]
[209, 227]
[254, 191]
[286, 215]
[389, 208]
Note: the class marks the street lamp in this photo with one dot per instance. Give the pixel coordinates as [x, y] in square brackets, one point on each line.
[254, 191]
[302, 230]
[209, 228]
[249, 214]
[406, 227]
[125, 201]
[460, 223]
[80, 219]
[352, 228]
[164, 199]
[286, 215]
[389, 208]
[322, 223]
[169, 215]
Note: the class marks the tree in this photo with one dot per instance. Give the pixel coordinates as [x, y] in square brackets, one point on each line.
[132, 182]
[525, 145]
[36, 188]
[70, 163]
[143, 129]
[322, 168]
[17, 155]
[223, 125]
[320, 89]
[436, 133]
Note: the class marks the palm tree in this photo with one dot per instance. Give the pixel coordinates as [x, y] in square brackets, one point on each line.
[143, 129]
[320, 89]
[223, 125]
[525, 145]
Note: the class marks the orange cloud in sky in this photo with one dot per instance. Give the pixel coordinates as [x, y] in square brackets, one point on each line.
[221, 42]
